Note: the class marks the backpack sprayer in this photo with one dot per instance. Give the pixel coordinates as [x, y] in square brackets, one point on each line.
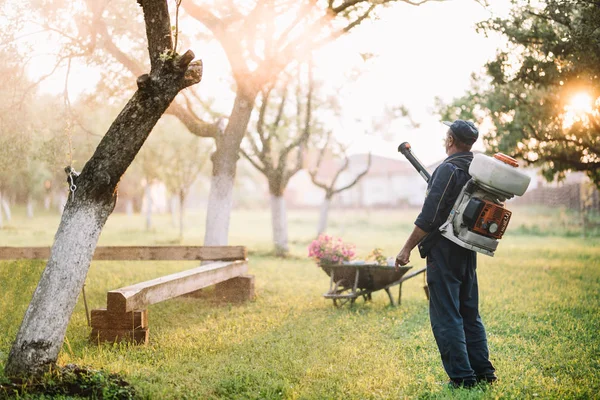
[478, 218]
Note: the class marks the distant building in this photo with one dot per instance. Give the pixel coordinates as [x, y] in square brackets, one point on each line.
[389, 183]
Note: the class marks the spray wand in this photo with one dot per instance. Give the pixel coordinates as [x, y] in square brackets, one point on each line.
[404, 148]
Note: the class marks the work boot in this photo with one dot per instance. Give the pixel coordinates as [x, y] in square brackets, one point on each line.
[462, 383]
[488, 378]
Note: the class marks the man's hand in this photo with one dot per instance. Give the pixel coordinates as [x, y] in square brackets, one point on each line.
[403, 257]
[415, 237]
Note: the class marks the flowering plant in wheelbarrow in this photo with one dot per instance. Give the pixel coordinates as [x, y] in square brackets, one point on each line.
[330, 250]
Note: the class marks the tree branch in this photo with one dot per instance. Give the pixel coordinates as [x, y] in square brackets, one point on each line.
[229, 41]
[196, 126]
[113, 50]
[158, 31]
[358, 178]
[254, 163]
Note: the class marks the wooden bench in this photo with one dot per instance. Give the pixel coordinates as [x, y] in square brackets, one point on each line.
[125, 317]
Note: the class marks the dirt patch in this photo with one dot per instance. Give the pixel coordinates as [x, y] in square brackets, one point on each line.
[71, 380]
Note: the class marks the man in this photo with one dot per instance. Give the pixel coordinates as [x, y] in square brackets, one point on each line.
[451, 269]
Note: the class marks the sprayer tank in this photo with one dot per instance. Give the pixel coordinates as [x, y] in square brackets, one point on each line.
[498, 175]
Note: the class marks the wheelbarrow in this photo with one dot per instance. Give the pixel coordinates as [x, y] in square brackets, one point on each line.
[350, 281]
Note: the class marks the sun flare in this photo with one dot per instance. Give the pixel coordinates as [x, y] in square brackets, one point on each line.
[579, 109]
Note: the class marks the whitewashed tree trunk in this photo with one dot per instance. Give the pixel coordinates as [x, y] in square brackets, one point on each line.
[149, 206]
[47, 202]
[1, 218]
[220, 202]
[129, 207]
[6, 208]
[279, 225]
[173, 208]
[224, 159]
[323, 215]
[46, 321]
[29, 207]
[181, 212]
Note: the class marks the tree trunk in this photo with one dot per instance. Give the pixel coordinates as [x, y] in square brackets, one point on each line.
[181, 212]
[173, 204]
[279, 224]
[323, 215]
[129, 207]
[1, 218]
[42, 331]
[43, 328]
[149, 206]
[6, 208]
[224, 159]
[29, 207]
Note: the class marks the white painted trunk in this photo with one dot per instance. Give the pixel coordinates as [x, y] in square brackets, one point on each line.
[129, 207]
[181, 211]
[47, 202]
[220, 203]
[279, 224]
[43, 329]
[173, 207]
[324, 213]
[1, 218]
[6, 208]
[29, 207]
[149, 205]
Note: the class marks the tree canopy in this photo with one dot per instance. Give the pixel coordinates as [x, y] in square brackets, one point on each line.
[542, 92]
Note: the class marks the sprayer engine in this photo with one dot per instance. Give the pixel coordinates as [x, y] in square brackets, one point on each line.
[478, 218]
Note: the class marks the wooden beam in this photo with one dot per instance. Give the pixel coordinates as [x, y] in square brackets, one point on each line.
[28, 253]
[141, 295]
[138, 253]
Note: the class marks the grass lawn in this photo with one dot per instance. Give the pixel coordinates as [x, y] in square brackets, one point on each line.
[540, 301]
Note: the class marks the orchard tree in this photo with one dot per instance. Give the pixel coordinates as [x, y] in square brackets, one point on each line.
[277, 146]
[331, 186]
[42, 331]
[542, 92]
[185, 157]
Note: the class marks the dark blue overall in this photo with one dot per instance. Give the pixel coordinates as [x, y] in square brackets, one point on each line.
[452, 280]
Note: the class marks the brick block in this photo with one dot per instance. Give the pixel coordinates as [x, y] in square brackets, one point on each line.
[107, 319]
[136, 336]
[236, 289]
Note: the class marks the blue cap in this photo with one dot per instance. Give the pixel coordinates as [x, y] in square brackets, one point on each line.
[465, 131]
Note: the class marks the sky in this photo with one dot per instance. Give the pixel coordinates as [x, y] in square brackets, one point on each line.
[419, 53]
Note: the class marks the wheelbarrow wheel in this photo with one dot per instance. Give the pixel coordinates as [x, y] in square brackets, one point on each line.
[339, 288]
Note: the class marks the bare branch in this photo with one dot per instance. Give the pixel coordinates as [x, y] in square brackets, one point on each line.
[196, 126]
[358, 177]
[305, 133]
[339, 171]
[275, 125]
[254, 163]
[113, 50]
[315, 170]
[230, 41]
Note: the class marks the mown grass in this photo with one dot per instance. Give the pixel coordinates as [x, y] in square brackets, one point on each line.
[540, 298]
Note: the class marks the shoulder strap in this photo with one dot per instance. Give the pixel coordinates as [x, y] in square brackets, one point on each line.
[455, 164]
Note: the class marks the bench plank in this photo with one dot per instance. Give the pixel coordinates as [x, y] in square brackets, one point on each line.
[141, 295]
[138, 253]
